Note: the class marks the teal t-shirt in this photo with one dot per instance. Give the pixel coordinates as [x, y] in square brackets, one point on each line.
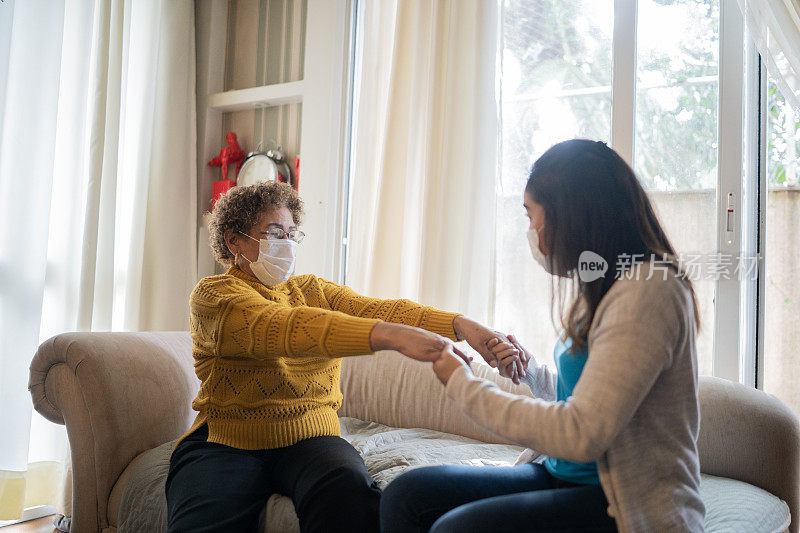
[570, 367]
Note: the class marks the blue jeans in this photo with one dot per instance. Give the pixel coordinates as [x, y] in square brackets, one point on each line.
[491, 499]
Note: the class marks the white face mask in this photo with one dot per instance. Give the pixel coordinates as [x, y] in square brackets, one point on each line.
[538, 256]
[275, 261]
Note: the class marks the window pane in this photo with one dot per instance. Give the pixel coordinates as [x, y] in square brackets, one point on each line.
[556, 85]
[781, 331]
[676, 132]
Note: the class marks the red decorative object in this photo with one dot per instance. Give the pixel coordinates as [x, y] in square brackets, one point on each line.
[297, 173]
[227, 156]
[220, 188]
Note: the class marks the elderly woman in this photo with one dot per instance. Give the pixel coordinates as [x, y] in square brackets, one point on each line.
[267, 348]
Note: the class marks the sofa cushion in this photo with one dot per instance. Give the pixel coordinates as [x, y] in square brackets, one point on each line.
[731, 505]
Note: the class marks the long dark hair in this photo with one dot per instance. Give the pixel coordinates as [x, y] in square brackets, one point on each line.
[593, 201]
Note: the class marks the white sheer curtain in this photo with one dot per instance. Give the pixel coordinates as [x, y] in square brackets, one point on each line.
[425, 154]
[775, 28]
[98, 202]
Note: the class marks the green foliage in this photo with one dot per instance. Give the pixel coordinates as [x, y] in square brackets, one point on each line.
[783, 140]
[557, 45]
[553, 46]
[676, 125]
[555, 42]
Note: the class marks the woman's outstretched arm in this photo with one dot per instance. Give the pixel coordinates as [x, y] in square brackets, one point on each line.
[454, 326]
[402, 311]
[230, 319]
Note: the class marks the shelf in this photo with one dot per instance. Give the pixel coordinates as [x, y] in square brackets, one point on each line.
[264, 96]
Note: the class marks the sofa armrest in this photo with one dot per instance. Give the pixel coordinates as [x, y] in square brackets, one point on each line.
[118, 394]
[749, 435]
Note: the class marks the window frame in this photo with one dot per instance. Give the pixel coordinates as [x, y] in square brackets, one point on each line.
[754, 196]
[728, 301]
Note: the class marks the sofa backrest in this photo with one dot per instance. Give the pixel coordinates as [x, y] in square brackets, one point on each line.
[392, 389]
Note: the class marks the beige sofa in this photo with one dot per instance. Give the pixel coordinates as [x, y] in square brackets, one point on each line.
[123, 394]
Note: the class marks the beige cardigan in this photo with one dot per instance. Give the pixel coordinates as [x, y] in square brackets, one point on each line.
[634, 409]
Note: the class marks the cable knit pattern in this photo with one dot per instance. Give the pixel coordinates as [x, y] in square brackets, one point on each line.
[268, 357]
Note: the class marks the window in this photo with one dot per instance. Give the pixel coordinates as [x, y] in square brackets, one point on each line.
[677, 88]
[671, 63]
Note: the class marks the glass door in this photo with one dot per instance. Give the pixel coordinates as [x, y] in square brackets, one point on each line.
[663, 81]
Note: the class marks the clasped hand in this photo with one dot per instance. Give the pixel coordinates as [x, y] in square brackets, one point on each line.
[498, 350]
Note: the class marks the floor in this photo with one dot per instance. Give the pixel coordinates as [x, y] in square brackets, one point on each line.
[40, 525]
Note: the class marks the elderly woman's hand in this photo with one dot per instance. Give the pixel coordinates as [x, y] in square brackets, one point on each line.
[412, 342]
[447, 363]
[511, 362]
[479, 336]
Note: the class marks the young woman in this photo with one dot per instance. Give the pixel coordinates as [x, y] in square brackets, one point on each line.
[619, 421]
[267, 348]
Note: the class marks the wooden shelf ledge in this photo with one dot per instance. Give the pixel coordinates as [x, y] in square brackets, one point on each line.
[264, 96]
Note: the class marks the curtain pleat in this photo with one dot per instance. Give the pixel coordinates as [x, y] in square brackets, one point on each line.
[98, 204]
[29, 117]
[422, 222]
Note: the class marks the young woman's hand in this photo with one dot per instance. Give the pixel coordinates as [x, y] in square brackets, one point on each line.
[512, 361]
[478, 336]
[412, 342]
[447, 363]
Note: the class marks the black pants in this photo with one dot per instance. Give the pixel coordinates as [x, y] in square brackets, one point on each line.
[214, 487]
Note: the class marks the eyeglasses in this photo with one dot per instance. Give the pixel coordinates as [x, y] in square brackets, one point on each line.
[277, 233]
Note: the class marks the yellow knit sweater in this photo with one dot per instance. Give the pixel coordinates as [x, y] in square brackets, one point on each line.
[268, 357]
